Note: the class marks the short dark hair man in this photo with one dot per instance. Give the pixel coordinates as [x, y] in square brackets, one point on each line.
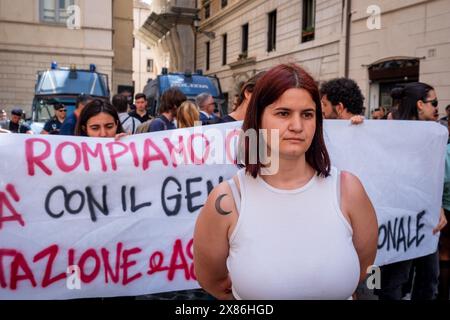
[207, 105]
[341, 99]
[53, 125]
[14, 123]
[69, 124]
[129, 123]
[170, 101]
[140, 113]
[447, 111]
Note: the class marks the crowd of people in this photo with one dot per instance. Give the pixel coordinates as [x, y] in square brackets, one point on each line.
[243, 216]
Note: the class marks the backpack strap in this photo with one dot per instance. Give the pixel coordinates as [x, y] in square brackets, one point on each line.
[125, 120]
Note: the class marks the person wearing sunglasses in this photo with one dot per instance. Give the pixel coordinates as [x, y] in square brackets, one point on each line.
[415, 101]
[53, 125]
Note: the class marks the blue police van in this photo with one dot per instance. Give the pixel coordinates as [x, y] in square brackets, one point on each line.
[191, 84]
[62, 86]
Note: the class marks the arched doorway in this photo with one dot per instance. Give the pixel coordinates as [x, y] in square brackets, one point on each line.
[388, 73]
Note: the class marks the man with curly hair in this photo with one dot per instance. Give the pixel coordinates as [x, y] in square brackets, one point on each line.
[341, 99]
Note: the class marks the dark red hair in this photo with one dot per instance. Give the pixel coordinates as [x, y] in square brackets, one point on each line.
[269, 88]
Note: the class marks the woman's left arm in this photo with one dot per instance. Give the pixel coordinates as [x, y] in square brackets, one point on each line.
[359, 209]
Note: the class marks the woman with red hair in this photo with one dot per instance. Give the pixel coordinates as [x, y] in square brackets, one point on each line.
[305, 231]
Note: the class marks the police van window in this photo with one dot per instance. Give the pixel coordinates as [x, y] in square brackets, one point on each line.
[74, 82]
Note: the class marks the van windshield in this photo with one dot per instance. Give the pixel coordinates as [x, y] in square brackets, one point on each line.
[72, 82]
[191, 86]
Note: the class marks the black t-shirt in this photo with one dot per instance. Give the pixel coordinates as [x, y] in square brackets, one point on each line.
[18, 128]
[142, 119]
[52, 126]
[227, 118]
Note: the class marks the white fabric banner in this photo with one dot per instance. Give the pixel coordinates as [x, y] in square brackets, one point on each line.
[85, 217]
[401, 165]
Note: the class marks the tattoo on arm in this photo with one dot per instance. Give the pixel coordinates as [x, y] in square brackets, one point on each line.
[218, 207]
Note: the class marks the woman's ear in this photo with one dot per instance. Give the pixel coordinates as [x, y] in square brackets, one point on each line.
[420, 106]
[247, 95]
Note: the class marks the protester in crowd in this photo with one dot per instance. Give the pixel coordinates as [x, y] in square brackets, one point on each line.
[418, 101]
[99, 119]
[444, 240]
[141, 112]
[69, 124]
[244, 97]
[447, 113]
[3, 115]
[383, 113]
[170, 101]
[235, 102]
[53, 125]
[129, 123]
[129, 96]
[187, 115]
[16, 125]
[341, 99]
[415, 101]
[444, 120]
[376, 114]
[207, 105]
[379, 114]
[256, 231]
[4, 120]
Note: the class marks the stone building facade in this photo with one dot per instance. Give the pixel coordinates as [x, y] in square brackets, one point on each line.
[378, 43]
[35, 33]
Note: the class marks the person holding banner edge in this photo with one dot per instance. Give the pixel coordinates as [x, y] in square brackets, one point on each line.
[305, 232]
[416, 101]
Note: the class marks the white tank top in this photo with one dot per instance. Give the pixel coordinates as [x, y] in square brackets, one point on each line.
[291, 244]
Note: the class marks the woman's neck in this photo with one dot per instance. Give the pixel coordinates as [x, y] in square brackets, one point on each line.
[239, 113]
[291, 174]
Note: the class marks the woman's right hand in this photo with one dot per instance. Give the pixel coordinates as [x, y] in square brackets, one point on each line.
[120, 136]
[356, 119]
[442, 222]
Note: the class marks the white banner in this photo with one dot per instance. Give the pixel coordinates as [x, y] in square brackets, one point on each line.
[401, 165]
[85, 217]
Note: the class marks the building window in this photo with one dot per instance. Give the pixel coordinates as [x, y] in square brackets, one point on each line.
[207, 10]
[272, 31]
[149, 65]
[54, 11]
[224, 49]
[207, 55]
[308, 22]
[133, 42]
[224, 3]
[244, 48]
